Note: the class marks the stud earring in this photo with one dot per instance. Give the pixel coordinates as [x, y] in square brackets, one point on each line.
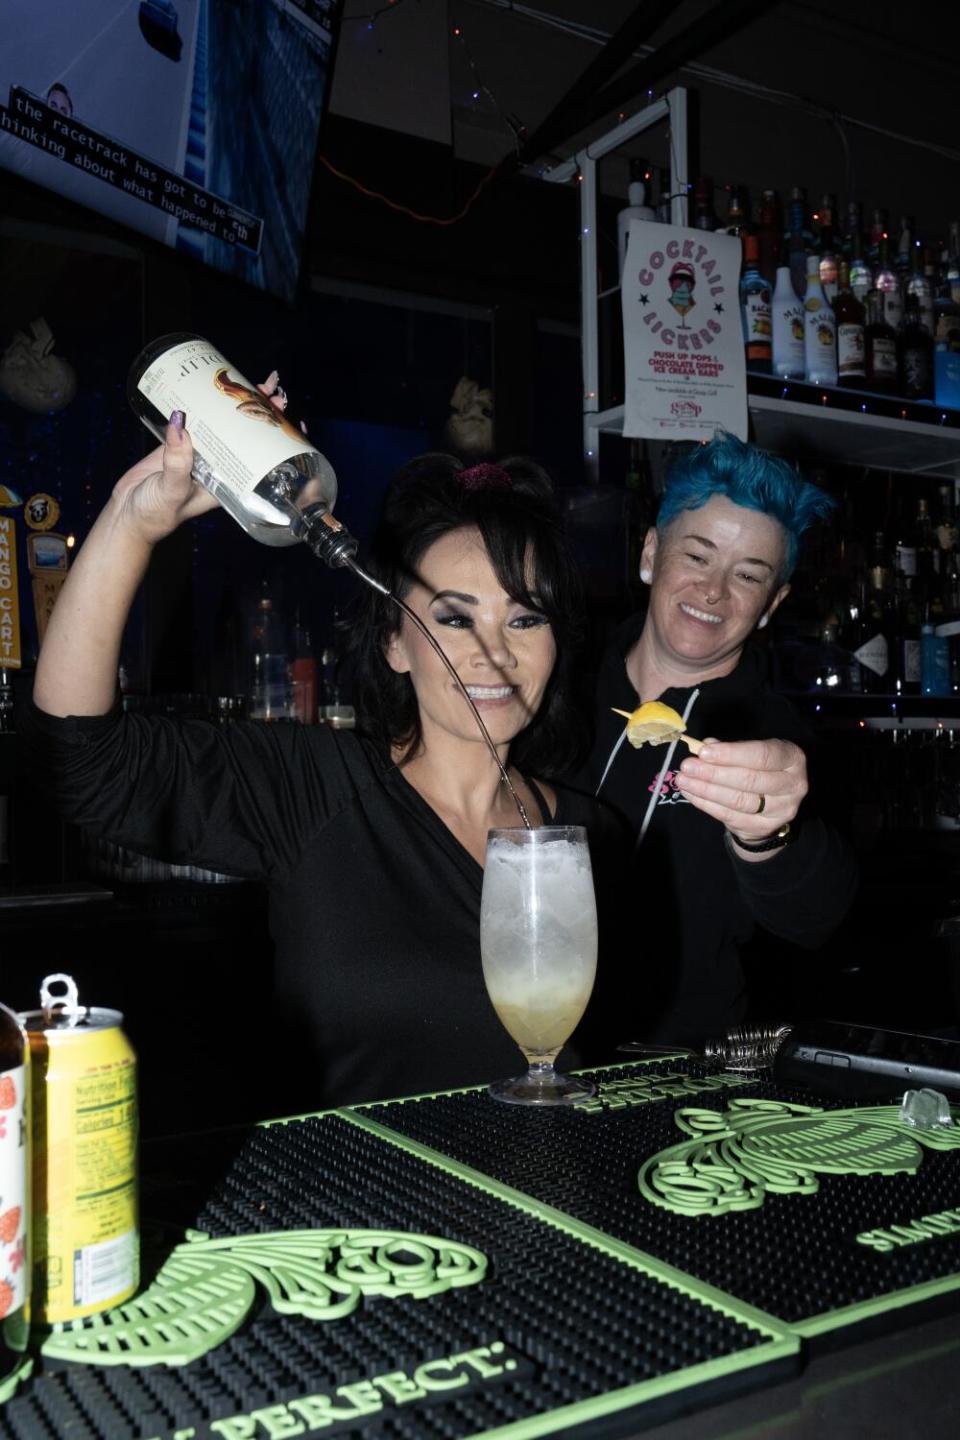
[646, 575]
[764, 620]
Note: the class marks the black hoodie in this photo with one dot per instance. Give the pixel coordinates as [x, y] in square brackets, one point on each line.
[691, 902]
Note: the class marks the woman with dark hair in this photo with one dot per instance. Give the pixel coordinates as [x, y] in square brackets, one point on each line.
[371, 843]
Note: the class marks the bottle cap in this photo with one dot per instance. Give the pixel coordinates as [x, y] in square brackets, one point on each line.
[751, 249]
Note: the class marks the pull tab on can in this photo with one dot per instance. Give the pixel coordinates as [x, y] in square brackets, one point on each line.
[62, 1009]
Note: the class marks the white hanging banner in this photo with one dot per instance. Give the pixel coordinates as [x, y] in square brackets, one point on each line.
[684, 369]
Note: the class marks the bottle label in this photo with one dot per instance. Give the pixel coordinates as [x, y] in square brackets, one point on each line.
[916, 370]
[850, 350]
[240, 435]
[906, 561]
[13, 1176]
[874, 655]
[892, 308]
[788, 345]
[821, 344]
[756, 324]
[911, 662]
[884, 358]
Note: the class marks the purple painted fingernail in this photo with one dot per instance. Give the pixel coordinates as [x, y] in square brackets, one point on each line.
[178, 419]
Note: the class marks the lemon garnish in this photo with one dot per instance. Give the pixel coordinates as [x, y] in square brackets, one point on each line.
[656, 724]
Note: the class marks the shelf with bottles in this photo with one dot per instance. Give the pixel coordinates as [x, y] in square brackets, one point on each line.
[817, 424]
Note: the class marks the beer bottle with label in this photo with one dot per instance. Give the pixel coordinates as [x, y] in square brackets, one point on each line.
[14, 1203]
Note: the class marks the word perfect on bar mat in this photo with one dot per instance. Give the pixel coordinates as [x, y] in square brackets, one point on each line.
[341, 1282]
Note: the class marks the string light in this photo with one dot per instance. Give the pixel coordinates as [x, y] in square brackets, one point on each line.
[370, 17]
[406, 209]
[480, 88]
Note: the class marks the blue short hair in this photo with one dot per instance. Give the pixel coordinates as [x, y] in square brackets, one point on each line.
[750, 477]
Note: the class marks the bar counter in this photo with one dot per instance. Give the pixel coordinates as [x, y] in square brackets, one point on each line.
[693, 1253]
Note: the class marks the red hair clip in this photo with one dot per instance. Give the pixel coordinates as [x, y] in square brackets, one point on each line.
[485, 477]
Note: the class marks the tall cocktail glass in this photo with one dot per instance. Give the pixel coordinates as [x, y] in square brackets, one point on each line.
[538, 942]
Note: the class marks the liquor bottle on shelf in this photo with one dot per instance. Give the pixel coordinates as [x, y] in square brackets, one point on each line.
[270, 666]
[887, 281]
[903, 258]
[304, 676]
[878, 232]
[788, 315]
[704, 215]
[908, 611]
[919, 286]
[927, 551]
[755, 309]
[829, 278]
[664, 196]
[946, 526]
[738, 212]
[769, 236]
[879, 348]
[14, 1195]
[874, 651]
[861, 277]
[636, 207]
[820, 331]
[850, 326]
[915, 355]
[908, 636]
[799, 240]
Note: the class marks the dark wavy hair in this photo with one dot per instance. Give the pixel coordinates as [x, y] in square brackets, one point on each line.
[426, 501]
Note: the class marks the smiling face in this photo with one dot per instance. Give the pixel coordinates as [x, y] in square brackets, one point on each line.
[503, 651]
[715, 575]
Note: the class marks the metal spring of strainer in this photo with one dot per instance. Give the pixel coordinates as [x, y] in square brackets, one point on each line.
[750, 1047]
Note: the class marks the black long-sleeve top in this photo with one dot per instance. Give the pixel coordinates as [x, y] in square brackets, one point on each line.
[374, 904]
[692, 902]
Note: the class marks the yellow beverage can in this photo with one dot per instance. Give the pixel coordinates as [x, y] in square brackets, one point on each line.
[86, 1248]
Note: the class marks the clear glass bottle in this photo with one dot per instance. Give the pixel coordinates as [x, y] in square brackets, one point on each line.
[14, 1201]
[827, 249]
[738, 212]
[861, 277]
[820, 330]
[887, 281]
[256, 462]
[799, 239]
[919, 287]
[269, 662]
[755, 310]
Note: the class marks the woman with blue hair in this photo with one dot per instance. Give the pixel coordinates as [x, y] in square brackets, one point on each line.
[726, 839]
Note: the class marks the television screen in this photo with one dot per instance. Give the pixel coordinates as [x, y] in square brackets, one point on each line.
[193, 121]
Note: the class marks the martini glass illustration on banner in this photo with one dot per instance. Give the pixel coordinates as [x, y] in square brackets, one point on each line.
[682, 279]
[538, 943]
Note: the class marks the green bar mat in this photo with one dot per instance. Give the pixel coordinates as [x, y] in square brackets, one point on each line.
[560, 1332]
[823, 1230]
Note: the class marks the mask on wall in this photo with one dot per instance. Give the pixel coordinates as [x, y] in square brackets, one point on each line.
[32, 376]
